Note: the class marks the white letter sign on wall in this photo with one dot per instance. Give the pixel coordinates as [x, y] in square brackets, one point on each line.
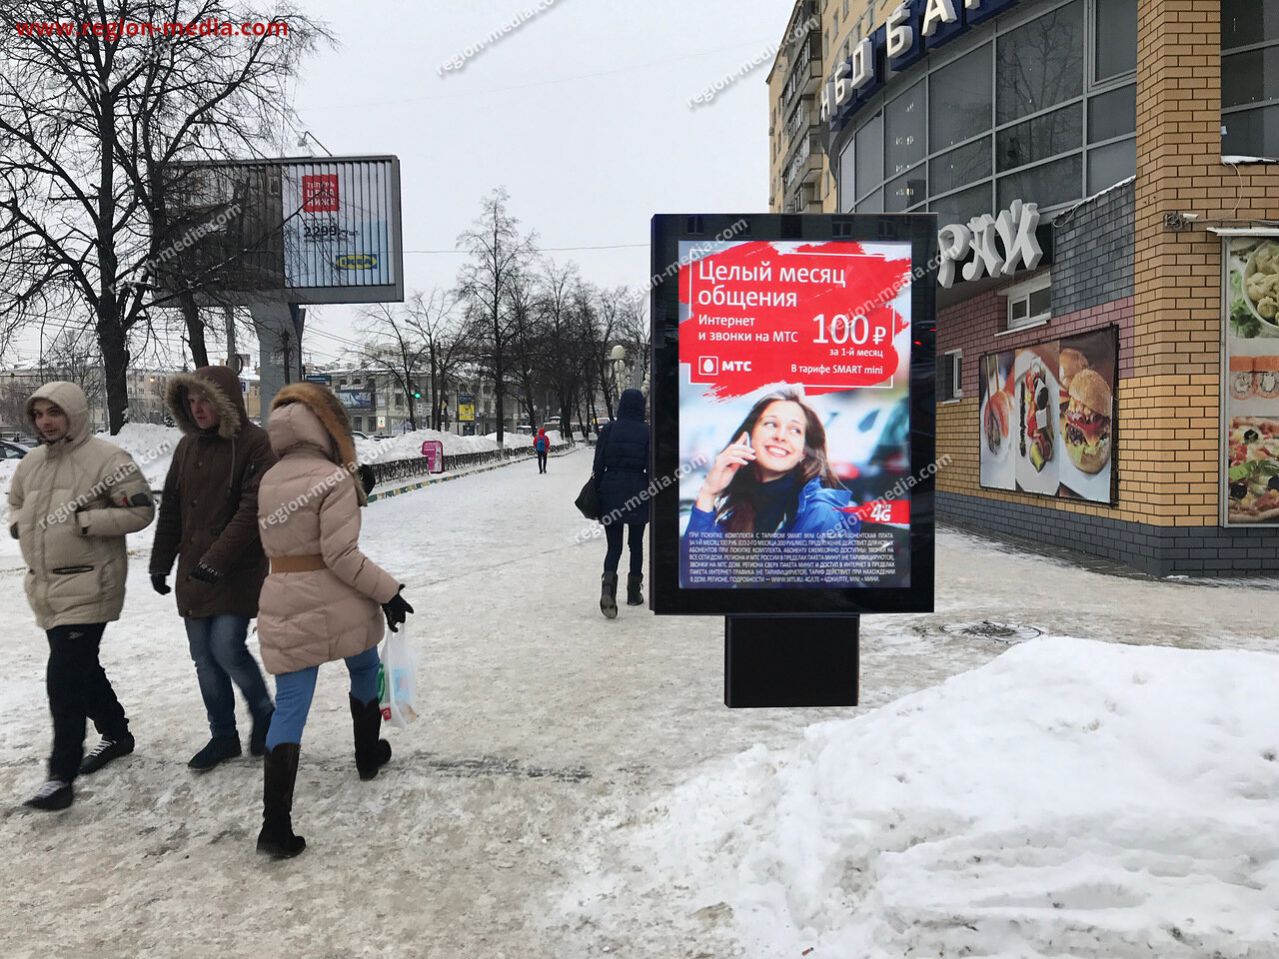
[900, 34]
[863, 60]
[1014, 228]
[937, 13]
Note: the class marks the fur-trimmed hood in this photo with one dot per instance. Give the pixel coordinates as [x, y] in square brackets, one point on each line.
[307, 414]
[221, 386]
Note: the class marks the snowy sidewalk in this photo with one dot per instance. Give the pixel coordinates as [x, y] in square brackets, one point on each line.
[504, 825]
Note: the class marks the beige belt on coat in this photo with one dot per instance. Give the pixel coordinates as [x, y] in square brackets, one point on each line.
[297, 564]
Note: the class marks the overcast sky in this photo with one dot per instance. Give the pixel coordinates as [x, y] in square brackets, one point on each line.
[581, 113]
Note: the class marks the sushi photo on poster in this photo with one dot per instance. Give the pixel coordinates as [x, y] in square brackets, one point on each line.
[794, 394]
[1250, 418]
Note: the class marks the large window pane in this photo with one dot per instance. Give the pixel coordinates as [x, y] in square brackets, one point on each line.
[959, 99]
[959, 167]
[847, 188]
[905, 191]
[1047, 185]
[1250, 77]
[1110, 164]
[904, 131]
[1112, 114]
[1253, 133]
[1040, 138]
[870, 154]
[1041, 63]
[1116, 50]
[873, 203]
[962, 207]
[1245, 22]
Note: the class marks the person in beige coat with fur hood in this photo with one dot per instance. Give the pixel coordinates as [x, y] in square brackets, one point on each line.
[324, 599]
[72, 501]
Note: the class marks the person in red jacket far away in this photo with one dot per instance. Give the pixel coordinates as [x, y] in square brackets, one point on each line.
[542, 444]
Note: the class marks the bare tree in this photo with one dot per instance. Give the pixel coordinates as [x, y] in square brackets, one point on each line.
[395, 347]
[433, 318]
[93, 129]
[498, 254]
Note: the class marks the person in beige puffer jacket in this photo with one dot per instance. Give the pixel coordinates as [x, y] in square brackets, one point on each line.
[323, 600]
[72, 501]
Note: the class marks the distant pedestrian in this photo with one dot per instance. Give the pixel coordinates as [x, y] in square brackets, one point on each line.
[72, 500]
[542, 444]
[621, 470]
[321, 601]
[209, 524]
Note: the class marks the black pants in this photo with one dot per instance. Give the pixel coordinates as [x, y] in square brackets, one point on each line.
[78, 688]
[541, 461]
[635, 540]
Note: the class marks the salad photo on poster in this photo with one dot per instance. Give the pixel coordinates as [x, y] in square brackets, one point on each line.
[794, 394]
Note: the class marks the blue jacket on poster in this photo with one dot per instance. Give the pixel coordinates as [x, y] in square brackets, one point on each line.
[819, 509]
[621, 462]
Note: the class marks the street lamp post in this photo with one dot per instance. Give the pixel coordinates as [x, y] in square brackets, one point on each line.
[617, 357]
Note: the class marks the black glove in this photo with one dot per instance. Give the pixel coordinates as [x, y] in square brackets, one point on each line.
[396, 610]
[205, 573]
[158, 583]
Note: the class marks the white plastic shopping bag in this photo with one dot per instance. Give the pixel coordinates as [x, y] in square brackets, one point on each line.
[397, 679]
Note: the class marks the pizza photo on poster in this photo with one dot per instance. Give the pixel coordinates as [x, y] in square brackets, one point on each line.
[1046, 415]
[1250, 397]
[794, 371]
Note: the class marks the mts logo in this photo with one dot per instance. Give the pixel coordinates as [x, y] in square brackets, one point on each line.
[736, 366]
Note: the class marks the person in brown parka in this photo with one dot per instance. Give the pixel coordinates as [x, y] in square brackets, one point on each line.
[321, 601]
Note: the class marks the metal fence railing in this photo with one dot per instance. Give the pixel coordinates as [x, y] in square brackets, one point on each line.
[393, 470]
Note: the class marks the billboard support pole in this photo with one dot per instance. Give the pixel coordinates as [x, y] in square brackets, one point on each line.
[280, 343]
[787, 660]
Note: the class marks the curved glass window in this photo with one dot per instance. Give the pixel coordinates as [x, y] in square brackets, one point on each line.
[1035, 106]
[959, 98]
[1040, 64]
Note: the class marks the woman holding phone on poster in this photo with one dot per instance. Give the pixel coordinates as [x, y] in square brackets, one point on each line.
[773, 480]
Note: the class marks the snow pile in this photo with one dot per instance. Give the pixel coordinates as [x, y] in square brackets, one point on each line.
[409, 446]
[1070, 798]
[150, 446]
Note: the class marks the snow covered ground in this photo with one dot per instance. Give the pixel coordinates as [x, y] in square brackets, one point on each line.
[575, 786]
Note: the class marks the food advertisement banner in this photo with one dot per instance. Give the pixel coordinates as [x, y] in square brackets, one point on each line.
[794, 407]
[1047, 417]
[1250, 398]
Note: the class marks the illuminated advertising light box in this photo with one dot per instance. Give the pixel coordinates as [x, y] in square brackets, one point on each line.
[794, 404]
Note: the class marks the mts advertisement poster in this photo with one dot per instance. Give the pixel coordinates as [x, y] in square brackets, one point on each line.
[794, 404]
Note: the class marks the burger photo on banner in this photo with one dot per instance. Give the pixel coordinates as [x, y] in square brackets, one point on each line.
[794, 401]
[1251, 397]
[1047, 416]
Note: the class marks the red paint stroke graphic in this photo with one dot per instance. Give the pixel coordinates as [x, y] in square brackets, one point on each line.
[818, 315]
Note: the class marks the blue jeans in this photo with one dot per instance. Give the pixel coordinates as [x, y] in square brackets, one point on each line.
[293, 692]
[220, 656]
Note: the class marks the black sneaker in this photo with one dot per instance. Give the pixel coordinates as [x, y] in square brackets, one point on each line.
[52, 796]
[220, 748]
[104, 752]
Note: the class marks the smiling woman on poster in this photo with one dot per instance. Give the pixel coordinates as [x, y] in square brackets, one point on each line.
[773, 481]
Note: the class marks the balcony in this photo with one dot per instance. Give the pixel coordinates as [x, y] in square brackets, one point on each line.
[806, 164]
[805, 77]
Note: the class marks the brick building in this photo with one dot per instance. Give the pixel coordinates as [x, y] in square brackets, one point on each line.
[1136, 128]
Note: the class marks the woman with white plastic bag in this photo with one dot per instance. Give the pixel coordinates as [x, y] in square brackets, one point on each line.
[397, 680]
[321, 601]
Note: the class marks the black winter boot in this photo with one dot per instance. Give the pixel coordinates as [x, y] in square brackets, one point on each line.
[633, 595]
[218, 749]
[279, 772]
[608, 595]
[371, 753]
[257, 738]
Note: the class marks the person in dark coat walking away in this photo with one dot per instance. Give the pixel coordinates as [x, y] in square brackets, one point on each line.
[209, 524]
[542, 444]
[324, 600]
[621, 472]
[71, 503]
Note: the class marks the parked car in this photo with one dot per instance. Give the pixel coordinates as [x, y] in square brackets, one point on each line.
[12, 451]
[358, 435]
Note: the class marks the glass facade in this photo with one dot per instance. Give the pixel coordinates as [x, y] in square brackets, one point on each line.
[1040, 106]
[1250, 78]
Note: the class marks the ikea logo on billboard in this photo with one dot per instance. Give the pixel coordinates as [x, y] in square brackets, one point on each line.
[356, 261]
